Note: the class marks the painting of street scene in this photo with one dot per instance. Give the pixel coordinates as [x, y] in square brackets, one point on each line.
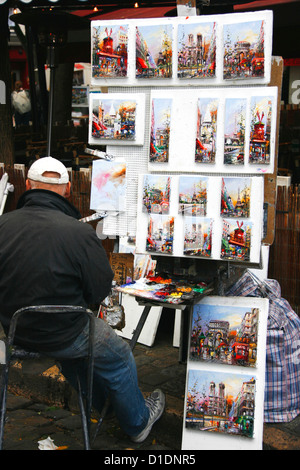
[260, 132]
[197, 236]
[235, 197]
[244, 54]
[236, 239]
[156, 194]
[193, 195]
[219, 402]
[109, 51]
[113, 119]
[160, 130]
[234, 131]
[197, 50]
[160, 234]
[224, 334]
[206, 139]
[80, 96]
[154, 51]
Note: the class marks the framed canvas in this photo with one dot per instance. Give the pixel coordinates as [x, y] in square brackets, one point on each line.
[108, 186]
[224, 397]
[116, 119]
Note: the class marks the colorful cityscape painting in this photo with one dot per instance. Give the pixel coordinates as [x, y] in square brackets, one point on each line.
[234, 131]
[193, 195]
[109, 51]
[260, 133]
[113, 119]
[197, 236]
[206, 139]
[236, 239]
[218, 402]
[154, 51]
[160, 234]
[235, 197]
[244, 54]
[108, 187]
[156, 194]
[160, 130]
[197, 50]
[224, 334]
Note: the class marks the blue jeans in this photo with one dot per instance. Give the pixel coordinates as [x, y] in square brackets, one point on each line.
[115, 375]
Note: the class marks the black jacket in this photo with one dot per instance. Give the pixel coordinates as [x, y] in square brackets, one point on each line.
[48, 257]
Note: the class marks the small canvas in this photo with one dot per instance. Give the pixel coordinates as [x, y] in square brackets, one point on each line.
[156, 194]
[108, 187]
[234, 131]
[80, 96]
[193, 195]
[109, 50]
[154, 51]
[244, 50]
[260, 130]
[236, 197]
[116, 119]
[197, 236]
[160, 130]
[224, 335]
[224, 396]
[206, 140]
[160, 234]
[196, 50]
[236, 239]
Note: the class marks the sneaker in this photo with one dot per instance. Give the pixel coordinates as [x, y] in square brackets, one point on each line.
[156, 404]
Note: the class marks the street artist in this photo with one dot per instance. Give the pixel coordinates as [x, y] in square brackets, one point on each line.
[48, 257]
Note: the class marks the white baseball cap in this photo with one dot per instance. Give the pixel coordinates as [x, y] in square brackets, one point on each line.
[40, 166]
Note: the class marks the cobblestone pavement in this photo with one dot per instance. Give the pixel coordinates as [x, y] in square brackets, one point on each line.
[41, 404]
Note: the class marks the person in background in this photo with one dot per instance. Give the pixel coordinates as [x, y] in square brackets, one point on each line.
[49, 257]
[21, 105]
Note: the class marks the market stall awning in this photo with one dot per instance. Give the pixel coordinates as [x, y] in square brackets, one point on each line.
[261, 4]
[128, 13]
[142, 63]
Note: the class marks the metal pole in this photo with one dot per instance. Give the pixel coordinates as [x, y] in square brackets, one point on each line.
[51, 64]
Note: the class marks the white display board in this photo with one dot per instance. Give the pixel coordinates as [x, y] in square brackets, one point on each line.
[229, 128]
[176, 243]
[224, 398]
[183, 51]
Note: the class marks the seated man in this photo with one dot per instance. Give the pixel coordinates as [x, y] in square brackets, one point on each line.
[48, 257]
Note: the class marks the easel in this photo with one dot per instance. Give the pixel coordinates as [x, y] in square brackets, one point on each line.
[185, 309]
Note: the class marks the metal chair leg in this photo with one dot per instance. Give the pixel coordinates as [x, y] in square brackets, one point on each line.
[85, 409]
